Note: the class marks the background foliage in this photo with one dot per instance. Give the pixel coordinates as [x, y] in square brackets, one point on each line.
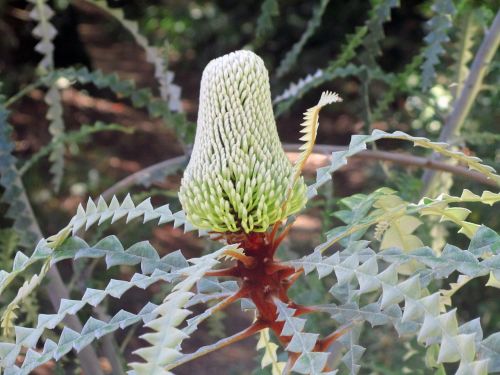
[65, 73]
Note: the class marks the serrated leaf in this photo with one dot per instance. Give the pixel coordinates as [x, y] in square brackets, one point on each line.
[269, 356]
[439, 26]
[291, 56]
[169, 92]
[310, 128]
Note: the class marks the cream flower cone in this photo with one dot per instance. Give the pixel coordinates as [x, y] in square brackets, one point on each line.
[238, 174]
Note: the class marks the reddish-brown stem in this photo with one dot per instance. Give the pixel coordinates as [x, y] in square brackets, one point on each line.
[272, 235]
[292, 358]
[323, 344]
[293, 278]
[216, 236]
[229, 300]
[274, 267]
[246, 260]
[276, 242]
[223, 272]
[265, 280]
[301, 309]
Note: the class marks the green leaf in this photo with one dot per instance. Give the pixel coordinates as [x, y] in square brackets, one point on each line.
[359, 143]
[490, 349]
[270, 356]
[92, 213]
[439, 25]
[291, 56]
[265, 25]
[169, 92]
[45, 32]
[56, 129]
[339, 67]
[308, 362]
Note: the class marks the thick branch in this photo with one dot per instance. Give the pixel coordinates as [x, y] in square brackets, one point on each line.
[471, 88]
[403, 159]
[394, 157]
[474, 81]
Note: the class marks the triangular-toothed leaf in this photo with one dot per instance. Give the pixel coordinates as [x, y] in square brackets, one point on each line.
[91, 214]
[310, 130]
[270, 356]
[339, 159]
[490, 349]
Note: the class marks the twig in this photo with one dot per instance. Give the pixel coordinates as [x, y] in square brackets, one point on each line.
[81, 276]
[471, 88]
[395, 157]
[250, 331]
[144, 175]
[26, 89]
[132, 332]
[404, 159]
[212, 310]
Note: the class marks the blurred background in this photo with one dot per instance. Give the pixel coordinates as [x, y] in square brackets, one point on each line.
[191, 33]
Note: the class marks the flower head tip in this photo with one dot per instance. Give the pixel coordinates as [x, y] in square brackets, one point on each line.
[238, 174]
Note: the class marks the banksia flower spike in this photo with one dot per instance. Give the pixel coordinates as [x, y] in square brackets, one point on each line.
[239, 178]
[238, 174]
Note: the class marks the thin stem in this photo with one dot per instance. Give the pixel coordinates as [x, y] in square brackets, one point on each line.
[130, 334]
[82, 275]
[403, 159]
[246, 260]
[57, 291]
[224, 272]
[472, 85]
[210, 297]
[248, 332]
[169, 165]
[295, 276]
[276, 242]
[22, 92]
[109, 345]
[324, 344]
[292, 358]
[276, 267]
[226, 302]
[272, 235]
[301, 309]
[192, 326]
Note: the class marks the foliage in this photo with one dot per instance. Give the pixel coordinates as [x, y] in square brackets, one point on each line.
[14, 193]
[439, 25]
[291, 57]
[375, 265]
[357, 260]
[337, 68]
[269, 10]
[169, 92]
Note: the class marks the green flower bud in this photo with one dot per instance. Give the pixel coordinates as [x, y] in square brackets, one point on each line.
[238, 174]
